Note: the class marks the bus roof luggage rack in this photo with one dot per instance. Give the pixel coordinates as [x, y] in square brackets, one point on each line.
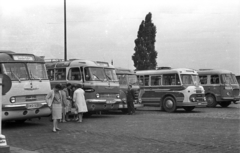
[163, 68]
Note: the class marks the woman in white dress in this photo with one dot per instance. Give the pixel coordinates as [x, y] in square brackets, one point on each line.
[79, 100]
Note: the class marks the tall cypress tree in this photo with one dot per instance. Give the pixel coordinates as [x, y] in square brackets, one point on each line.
[145, 55]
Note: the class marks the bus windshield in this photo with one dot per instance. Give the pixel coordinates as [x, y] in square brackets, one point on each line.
[228, 79]
[94, 74]
[111, 74]
[132, 79]
[37, 71]
[189, 79]
[16, 71]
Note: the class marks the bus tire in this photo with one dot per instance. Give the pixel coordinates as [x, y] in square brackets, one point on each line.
[125, 111]
[169, 104]
[225, 104]
[189, 108]
[211, 101]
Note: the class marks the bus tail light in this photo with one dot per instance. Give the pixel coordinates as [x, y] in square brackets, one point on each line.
[12, 99]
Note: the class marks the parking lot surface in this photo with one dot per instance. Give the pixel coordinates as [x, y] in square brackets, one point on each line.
[205, 130]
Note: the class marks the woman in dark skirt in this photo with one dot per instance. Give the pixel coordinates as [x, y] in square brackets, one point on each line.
[54, 99]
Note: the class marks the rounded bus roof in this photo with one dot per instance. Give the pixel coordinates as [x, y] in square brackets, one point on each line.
[77, 63]
[213, 71]
[12, 57]
[120, 70]
[167, 71]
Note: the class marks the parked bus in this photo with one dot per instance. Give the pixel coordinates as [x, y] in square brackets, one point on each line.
[127, 77]
[30, 85]
[99, 81]
[221, 87]
[171, 89]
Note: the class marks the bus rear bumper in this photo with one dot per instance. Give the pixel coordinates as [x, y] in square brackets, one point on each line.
[103, 101]
[18, 114]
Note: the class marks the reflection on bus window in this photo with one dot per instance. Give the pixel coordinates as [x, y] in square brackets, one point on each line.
[188, 79]
[111, 74]
[214, 79]
[60, 74]
[50, 73]
[228, 79]
[36, 71]
[122, 79]
[171, 79]
[94, 74]
[132, 79]
[16, 71]
[155, 80]
[203, 79]
[74, 74]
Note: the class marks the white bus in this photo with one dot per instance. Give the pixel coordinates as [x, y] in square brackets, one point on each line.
[30, 85]
[99, 81]
[171, 89]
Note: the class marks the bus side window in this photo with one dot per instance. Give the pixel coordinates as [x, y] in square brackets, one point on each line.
[146, 80]
[155, 80]
[60, 74]
[177, 80]
[214, 79]
[140, 80]
[74, 74]
[50, 73]
[203, 79]
[87, 74]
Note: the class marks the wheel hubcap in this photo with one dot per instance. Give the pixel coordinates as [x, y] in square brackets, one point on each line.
[169, 104]
[210, 100]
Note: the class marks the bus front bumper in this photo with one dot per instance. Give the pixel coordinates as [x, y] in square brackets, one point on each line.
[124, 105]
[103, 101]
[24, 106]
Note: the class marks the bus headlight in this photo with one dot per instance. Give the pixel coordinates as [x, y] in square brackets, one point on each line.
[12, 99]
[118, 96]
[192, 99]
[97, 95]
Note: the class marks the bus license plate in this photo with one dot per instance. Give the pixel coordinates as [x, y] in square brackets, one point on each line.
[29, 106]
[110, 101]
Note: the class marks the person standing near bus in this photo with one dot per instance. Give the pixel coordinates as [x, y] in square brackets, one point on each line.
[67, 102]
[130, 98]
[79, 101]
[55, 100]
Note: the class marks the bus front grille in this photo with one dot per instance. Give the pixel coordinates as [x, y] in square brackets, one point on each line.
[112, 96]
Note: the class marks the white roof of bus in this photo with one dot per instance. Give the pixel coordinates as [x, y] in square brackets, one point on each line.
[214, 71]
[82, 62]
[167, 71]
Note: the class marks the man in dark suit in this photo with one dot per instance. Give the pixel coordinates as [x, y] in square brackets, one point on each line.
[130, 100]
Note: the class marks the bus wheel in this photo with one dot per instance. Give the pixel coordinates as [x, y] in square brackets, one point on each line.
[189, 108]
[20, 121]
[169, 104]
[225, 104]
[211, 101]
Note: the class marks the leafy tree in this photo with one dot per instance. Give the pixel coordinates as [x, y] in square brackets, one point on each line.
[145, 55]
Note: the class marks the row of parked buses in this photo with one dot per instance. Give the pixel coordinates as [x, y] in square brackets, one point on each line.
[105, 86]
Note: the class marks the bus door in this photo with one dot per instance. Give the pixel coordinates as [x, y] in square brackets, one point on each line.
[146, 90]
[155, 91]
[228, 89]
[215, 86]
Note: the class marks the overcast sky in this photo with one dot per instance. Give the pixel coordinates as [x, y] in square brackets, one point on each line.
[190, 33]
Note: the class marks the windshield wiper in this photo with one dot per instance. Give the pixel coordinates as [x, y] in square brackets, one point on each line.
[34, 77]
[15, 76]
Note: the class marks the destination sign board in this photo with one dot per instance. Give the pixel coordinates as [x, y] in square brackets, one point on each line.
[23, 57]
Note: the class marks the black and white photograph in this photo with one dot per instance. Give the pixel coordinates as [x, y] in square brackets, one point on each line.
[120, 76]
